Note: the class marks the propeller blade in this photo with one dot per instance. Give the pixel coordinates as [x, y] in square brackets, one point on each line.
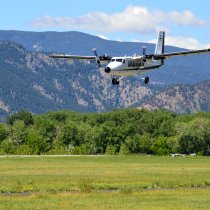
[97, 58]
[95, 52]
[144, 50]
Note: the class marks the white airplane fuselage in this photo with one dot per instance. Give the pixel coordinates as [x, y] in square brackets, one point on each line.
[130, 66]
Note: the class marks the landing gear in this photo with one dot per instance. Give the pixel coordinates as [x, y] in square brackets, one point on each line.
[146, 80]
[115, 81]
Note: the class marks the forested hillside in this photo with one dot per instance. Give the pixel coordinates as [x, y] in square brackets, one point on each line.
[181, 98]
[30, 80]
[129, 131]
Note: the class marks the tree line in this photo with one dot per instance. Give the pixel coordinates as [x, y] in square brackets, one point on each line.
[129, 131]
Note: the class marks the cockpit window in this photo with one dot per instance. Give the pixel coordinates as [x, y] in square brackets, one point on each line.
[117, 60]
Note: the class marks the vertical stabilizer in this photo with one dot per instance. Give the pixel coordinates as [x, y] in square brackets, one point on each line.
[160, 43]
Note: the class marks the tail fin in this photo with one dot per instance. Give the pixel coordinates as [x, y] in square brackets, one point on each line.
[160, 43]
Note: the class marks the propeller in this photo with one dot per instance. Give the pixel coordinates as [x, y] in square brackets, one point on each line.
[97, 57]
[102, 59]
[144, 50]
[144, 53]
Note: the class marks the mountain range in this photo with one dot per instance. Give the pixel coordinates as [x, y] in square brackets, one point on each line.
[32, 81]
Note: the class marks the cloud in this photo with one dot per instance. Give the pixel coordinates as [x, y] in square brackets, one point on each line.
[133, 19]
[186, 18]
[183, 42]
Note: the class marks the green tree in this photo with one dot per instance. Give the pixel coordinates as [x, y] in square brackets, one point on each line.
[145, 143]
[83, 149]
[111, 150]
[3, 132]
[173, 144]
[47, 129]
[69, 135]
[123, 150]
[160, 146]
[133, 143]
[194, 136]
[36, 143]
[59, 116]
[103, 137]
[25, 116]
[18, 132]
[6, 147]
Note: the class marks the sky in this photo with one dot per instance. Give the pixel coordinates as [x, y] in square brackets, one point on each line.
[186, 22]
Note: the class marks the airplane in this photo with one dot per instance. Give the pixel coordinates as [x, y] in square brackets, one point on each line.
[119, 67]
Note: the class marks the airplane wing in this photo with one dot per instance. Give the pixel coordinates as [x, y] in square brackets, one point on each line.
[72, 57]
[100, 60]
[181, 53]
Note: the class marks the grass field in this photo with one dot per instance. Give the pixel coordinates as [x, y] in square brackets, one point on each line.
[105, 182]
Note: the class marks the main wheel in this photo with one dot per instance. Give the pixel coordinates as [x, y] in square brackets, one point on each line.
[146, 80]
[115, 81]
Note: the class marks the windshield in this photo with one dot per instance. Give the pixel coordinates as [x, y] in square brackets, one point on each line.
[117, 60]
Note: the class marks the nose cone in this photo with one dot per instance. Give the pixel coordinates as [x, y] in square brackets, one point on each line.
[107, 69]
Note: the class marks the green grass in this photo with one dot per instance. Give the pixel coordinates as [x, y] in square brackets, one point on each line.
[155, 199]
[82, 182]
